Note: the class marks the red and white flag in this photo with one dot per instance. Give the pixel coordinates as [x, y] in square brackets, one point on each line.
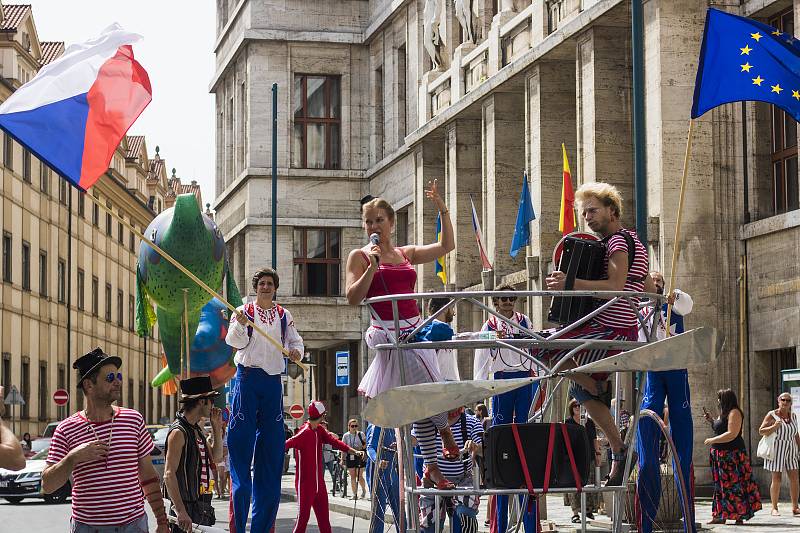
[479, 237]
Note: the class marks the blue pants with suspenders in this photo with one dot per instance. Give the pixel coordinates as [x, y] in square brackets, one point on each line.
[256, 439]
[513, 406]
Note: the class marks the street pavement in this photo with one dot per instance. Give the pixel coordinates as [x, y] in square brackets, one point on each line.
[39, 517]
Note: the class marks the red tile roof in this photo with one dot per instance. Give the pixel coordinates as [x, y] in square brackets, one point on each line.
[156, 167]
[51, 50]
[13, 16]
[134, 145]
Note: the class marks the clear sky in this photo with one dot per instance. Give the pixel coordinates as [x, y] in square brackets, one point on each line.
[177, 52]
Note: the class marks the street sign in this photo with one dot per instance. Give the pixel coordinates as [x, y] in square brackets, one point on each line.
[14, 397]
[296, 411]
[342, 369]
[61, 397]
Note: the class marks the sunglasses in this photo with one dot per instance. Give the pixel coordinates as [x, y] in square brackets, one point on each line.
[114, 375]
[354, 426]
[508, 298]
[787, 400]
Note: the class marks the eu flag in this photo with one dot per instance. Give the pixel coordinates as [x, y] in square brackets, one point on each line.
[525, 214]
[743, 59]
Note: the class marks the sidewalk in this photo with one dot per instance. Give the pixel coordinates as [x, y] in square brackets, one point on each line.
[557, 513]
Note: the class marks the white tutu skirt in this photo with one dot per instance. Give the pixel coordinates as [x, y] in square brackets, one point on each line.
[421, 366]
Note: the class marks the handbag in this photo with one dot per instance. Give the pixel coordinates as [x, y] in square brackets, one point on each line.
[201, 512]
[766, 446]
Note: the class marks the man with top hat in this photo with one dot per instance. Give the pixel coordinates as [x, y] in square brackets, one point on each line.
[106, 450]
[190, 454]
[309, 481]
[255, 429]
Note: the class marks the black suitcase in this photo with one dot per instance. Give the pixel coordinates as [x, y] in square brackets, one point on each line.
[582, 259]
[502, 468]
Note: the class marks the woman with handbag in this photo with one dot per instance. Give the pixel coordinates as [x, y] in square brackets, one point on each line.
[736, 495]
[782, 446]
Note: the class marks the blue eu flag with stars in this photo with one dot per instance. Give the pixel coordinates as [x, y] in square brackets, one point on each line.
[743, 59]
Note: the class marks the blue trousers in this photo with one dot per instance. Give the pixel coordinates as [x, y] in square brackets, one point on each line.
[507, 408]
[388, 491]
[463, 519]
[256, 438]
[674, 386]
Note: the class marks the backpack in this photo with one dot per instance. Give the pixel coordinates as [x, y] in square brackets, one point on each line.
[250, 313]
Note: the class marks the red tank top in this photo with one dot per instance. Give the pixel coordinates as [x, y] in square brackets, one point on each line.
[394, 279]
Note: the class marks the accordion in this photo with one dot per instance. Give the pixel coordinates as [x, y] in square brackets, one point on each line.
[583, 259]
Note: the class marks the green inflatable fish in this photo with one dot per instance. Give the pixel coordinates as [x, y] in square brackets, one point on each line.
[195, 241]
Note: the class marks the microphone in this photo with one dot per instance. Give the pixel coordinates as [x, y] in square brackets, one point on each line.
[374, 239]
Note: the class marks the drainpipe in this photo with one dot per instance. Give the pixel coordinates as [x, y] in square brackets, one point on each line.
[639, 159]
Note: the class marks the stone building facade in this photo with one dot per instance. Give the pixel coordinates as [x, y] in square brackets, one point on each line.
[367, 103]
[69, 268]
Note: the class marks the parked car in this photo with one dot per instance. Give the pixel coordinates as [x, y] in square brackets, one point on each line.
[27, 483]
[42, 442]
[158, 455]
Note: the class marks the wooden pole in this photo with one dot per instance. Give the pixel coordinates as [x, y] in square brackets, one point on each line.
[188, 340]
[677, 242]
[199, 282]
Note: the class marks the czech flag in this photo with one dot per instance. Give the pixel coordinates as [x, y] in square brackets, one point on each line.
[73, 114]
[476, 225]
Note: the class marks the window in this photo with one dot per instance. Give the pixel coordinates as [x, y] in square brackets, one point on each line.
[130, 394]
[7, 256]
[785, 189]
[43, 273]
[131, 312]
[316, 262]
[25, 387]
[108, 302]
[26, 165]
[317, 122]
[79, 398]
[120, 307]
[62, 190]
[82, 204]
[44, 178]
[8, 152]
[44, 396]
[132, 238]
[120, 231]
[62, 281]
[109, 224]
[401, 95]
[95, 296]
[26, 266]
[81, 290]
[95, 214]
[401, 227]
[5, 378]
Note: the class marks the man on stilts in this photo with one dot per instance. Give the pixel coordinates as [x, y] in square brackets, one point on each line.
[673, 386]
[255, 432]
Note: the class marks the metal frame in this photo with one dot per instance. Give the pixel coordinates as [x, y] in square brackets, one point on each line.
[409, 496]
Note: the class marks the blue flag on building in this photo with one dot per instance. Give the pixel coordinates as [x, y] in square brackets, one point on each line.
[441, 272]
[522, 232]
[743, 59]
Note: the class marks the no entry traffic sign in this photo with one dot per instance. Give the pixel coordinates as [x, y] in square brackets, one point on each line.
[61, 397]
[297, 411]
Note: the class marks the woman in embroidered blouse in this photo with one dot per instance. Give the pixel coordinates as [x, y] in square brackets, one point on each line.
[383, 269]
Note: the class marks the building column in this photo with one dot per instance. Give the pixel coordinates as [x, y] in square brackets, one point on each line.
[428, 165]
[504, 148]
[550, 85]
[605, 142]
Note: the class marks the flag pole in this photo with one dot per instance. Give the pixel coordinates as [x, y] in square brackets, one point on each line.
[198, 281]
[676, 248]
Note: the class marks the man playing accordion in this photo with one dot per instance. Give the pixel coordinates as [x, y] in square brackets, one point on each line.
[601, 208]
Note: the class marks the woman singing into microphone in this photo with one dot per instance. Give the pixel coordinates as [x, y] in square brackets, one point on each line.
[382, 269]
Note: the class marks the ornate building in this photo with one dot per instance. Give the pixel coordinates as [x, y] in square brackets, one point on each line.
[380, 96]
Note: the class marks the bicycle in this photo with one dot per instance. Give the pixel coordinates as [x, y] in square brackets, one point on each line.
[339, 478]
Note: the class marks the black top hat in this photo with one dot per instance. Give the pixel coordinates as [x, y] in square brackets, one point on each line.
[195, 388]
[365, 199]
[89, 362]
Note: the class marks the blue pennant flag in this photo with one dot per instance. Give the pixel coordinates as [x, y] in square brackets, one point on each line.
[522, 232]
[743, 59]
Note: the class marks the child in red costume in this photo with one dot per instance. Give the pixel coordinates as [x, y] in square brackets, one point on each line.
[309, 481]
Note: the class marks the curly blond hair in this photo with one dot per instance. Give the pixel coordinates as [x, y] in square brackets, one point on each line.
[607, 194]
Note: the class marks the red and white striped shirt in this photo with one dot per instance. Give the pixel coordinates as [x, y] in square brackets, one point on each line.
[621, 315]
[204, 466]
[105, 492]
